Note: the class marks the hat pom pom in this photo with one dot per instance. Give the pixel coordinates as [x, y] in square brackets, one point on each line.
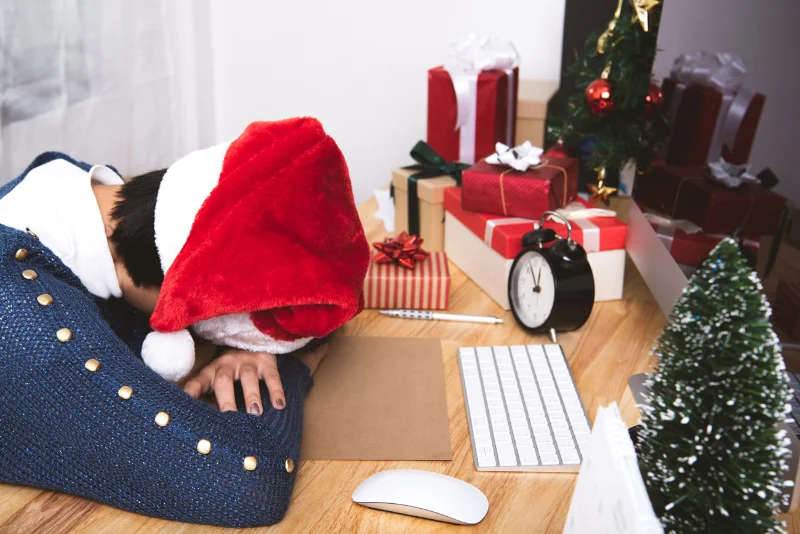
[170, 354]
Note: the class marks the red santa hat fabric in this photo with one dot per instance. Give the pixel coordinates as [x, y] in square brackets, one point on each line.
[260, 242]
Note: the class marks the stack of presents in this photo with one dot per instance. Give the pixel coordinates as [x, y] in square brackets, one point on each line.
[476, 188]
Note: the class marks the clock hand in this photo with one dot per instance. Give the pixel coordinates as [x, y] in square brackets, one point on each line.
[539, 278]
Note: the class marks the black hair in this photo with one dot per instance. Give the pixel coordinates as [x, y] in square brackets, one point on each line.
[134, 236]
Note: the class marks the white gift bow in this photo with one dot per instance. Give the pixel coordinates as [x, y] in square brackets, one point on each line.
[518, 158]
[723, 71]
[467, 59]
[731, 175]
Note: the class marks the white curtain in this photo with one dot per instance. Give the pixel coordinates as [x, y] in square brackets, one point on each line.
[106, 81]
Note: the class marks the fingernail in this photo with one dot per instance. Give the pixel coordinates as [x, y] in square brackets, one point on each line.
[255, 409]
[280, 403]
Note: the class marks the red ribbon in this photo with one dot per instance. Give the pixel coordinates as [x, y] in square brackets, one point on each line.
[404, 250]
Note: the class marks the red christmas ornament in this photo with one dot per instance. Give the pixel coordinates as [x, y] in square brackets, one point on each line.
[653, 99]
[404, 250]
[599, 97]
[558, 150]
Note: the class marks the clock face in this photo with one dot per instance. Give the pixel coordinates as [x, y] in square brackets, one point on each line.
[533, 289]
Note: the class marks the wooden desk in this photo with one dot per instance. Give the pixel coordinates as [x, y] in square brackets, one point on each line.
[612, 346]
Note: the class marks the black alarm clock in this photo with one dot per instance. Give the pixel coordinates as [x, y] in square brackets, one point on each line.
[551, 289]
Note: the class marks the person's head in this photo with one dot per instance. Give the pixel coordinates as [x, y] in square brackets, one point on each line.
[133, 240]
[254, 244]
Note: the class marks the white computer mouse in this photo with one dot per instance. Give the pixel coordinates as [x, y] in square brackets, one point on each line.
[423, 494]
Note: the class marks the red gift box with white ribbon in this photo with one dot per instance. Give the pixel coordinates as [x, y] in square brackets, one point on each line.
[483, 246]
[504, 234]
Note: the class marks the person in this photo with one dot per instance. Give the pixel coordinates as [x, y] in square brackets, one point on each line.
[269, 253]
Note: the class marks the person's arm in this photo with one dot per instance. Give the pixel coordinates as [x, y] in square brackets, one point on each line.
[84, 415]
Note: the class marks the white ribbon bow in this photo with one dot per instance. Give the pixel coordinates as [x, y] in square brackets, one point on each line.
[731, 175]
[518, 158]
[722, 71]
[467, 59]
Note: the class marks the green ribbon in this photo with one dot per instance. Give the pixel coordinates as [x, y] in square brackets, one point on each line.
[430, 165]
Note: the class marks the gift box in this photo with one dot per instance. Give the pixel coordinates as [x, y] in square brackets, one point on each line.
[532, 101]
[690, 249]
[687, 193]
[787, 308]
[504, 234]
[430, 206]
[501, 190]
[472, 100]
[484, 246]
[425, 287]
[712, 114]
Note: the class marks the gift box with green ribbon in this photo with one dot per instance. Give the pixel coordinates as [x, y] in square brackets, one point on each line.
[419, 194]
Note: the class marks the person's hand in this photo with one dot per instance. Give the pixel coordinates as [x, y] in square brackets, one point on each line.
[249, 368]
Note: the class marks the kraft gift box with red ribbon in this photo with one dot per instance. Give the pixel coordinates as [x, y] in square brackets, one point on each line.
[425, 287]
[484, 245]
[472, 100]
[501, 190]
[712, 114]
[688, 193]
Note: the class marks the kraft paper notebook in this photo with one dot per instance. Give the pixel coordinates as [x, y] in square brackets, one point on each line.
[378, 399]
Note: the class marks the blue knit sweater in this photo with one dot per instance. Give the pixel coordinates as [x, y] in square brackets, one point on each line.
[66, 428]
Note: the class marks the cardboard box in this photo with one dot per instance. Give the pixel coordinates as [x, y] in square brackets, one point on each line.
[430, 198]
[533, 98]
[490, 271]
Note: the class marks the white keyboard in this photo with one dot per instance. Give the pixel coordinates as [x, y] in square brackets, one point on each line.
[523, 409]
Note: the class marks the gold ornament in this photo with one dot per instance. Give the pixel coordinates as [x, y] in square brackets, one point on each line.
[641, 11]
[603, 40]
[601, 191]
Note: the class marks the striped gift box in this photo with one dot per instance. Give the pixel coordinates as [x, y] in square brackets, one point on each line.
[426, 287]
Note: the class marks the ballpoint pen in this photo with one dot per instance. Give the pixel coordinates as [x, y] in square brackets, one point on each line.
[431, 316]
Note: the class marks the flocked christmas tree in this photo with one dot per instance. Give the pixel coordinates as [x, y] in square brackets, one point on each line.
[712, 457]
[615, 115]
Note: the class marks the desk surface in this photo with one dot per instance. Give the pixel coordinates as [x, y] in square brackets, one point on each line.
[611, 347]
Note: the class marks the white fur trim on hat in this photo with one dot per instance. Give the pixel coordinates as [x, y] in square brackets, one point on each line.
[185, 186]
[171, 354]
[237, 330]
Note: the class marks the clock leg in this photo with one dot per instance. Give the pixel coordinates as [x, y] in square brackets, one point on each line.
[553, 335]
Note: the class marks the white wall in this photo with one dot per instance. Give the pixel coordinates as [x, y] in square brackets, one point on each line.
[360, 66]
[766, 36]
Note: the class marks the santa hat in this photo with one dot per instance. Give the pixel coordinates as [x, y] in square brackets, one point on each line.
[260, 243]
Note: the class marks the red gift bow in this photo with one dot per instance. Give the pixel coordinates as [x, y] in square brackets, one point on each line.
[405, 250]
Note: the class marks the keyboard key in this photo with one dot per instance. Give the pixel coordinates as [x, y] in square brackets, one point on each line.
[570, 457]
[527, 456]
[523, 441]
[543, 439]
[483, 441]
[486, 461]
[549, 459]
[546, 448]
[502, 437]
[506, 455]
